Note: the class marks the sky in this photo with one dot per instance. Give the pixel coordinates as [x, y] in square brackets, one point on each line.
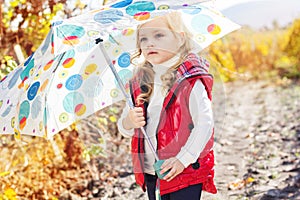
[222, 4]
[260, 13]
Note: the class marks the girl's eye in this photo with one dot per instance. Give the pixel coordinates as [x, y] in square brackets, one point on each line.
[159, 35]
[143, 39]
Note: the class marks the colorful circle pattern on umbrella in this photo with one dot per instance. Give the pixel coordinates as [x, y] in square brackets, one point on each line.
[26, 72]
[36, 107]
[68, 59]
[24, 113]
[121, 4]
[59, 86]
[140, 9]
[128, 32]
[68, 62]
[41, 125]
[86, 47]
[214, 29]
[114, 93]
[14, 78]
[124, 60]
[37, 75]
[193, 11]
[44, 85]
[13, 122]
[89, 69]
[63, 117]
[108, 16]
[48, 65]
[7, 111]
[208, 25]
[74, 103]
[116, 51]
[70, 33]
[125, 75]
[63, 74]
[74, 82]
[92, 87]
[93, 33]
[163, 7]
[200, 38]
[31, 93]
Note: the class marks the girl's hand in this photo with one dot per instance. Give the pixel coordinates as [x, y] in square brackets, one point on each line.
[134, 119]
[175, 167]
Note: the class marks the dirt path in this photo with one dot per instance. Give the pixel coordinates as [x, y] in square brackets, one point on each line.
[257, 153]
[257, 146]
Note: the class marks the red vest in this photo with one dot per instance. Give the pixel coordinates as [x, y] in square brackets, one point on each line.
[173, 131]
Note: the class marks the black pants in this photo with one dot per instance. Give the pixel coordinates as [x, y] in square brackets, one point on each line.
[192, 192]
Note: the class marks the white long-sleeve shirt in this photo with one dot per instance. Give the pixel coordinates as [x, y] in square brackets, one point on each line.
[201, 112]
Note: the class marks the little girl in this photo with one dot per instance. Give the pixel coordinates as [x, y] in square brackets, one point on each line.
[171, 91]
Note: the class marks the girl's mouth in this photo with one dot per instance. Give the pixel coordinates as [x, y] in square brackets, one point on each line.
[152, 53]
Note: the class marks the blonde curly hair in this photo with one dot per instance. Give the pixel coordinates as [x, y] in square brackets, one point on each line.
[145, 69]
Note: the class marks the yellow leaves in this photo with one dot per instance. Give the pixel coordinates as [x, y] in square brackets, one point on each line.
[293, 44]
[285, 61]
[250, 180]
[58, 7]
[73, 127]
[260, 53]
[17, 134]
[9, 194]
[14, 3]
[2, 174]
[239, 184]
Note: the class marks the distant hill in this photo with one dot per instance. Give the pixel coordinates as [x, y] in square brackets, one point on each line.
[259, 14]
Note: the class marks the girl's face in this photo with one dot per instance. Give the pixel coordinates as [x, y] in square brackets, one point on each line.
[157, 42]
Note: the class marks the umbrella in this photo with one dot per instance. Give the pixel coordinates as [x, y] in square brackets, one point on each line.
[117, 25]
[67, 78]
[118, 22]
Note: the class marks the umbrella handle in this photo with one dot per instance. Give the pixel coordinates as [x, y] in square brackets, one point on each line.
[127, 97]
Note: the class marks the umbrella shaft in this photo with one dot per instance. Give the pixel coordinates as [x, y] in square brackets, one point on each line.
[150, 143]
[128, 99]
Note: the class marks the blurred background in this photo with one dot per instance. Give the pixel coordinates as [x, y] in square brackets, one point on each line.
[258, 68]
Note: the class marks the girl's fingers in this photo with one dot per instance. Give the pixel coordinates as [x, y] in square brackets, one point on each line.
[138, 110]
[171, 174]
[166, 166]
[175, 167]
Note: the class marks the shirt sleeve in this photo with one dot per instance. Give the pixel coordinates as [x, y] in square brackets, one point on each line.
[122, 130]
[202, 116]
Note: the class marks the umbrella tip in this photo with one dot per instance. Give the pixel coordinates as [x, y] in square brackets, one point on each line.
[98, 40]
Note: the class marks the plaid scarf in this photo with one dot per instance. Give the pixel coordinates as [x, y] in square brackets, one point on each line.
[191, 66]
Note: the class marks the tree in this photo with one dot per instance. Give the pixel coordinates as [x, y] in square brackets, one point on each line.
[293, 45]
[27, 22]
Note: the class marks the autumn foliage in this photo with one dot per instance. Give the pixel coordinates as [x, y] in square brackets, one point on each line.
[35, 168]
[258, 54]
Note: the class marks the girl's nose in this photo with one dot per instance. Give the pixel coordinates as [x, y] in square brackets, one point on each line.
[150, 43]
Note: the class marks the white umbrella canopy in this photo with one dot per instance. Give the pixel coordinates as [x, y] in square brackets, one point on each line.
[68, 79]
